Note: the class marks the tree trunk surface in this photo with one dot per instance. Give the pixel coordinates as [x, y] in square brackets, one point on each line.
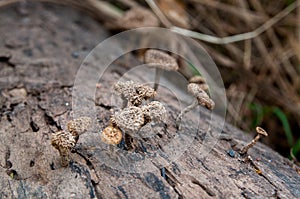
[41, 48]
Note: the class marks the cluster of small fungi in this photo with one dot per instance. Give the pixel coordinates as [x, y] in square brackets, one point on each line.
[197, 86]
[65, 141]
[134, 114]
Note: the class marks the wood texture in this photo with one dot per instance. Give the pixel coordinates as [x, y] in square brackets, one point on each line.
[41, 48]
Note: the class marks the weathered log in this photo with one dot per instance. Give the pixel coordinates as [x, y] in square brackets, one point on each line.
[41, 48]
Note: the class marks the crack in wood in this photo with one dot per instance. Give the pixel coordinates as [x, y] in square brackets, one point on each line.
[50, 121]
[107, 107]
[204, 187]
[172, 181]
[88, 181]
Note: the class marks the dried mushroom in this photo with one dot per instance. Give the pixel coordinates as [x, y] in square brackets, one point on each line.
[63, 142]
[201, 98]
[129, 119]
[160, 61]
[155, 111]
[111, 135]
[133, 93]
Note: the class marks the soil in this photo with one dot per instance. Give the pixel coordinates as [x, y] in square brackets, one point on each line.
[41, 48]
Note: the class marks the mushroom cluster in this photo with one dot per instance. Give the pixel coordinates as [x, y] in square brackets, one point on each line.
[136, 114]
[198, 88]
[133, 93]
[65, 141]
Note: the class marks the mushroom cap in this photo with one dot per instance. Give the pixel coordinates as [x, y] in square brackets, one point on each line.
[79, 126]
[145, 91]
[62, 140]
[155, 111]
[134, 92]
[111, 135]
[160, 59]
[201, 95]
[204, 87]
[125, 88]
[130, 119]
[261, 131]
[138, 17]
[197, 79]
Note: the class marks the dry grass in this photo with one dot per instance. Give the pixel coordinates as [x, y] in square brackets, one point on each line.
[257, 51]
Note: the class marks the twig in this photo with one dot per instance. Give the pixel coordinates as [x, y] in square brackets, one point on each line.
[232, 10]
[287, 66]
[129, 3]
[259, 42]
[107, 8]
[247, 54]
[159, 13]
[238, 37]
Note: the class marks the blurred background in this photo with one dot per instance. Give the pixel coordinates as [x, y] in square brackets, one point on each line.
[255, 44]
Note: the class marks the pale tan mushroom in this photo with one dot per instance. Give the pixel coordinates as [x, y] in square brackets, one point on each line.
[133, 93]
[111, 135]
[79, 126]
[201, 98]
[129, 119]
[160, 61]
[197, 79]
[155, 111]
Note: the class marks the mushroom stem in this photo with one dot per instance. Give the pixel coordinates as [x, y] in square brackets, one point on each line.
[158, 73]
[63, 142]
[249, 145]
[260, 132]
[64, 155]
[184, 111]
[124, 102]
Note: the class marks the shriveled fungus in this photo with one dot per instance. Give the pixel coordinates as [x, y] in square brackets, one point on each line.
[79, 126]
[197, 79]
[134, 115]
[201, 98]
[155, 111]
[133, 93]
[129, 119]
[63, 142]
[111, 135]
